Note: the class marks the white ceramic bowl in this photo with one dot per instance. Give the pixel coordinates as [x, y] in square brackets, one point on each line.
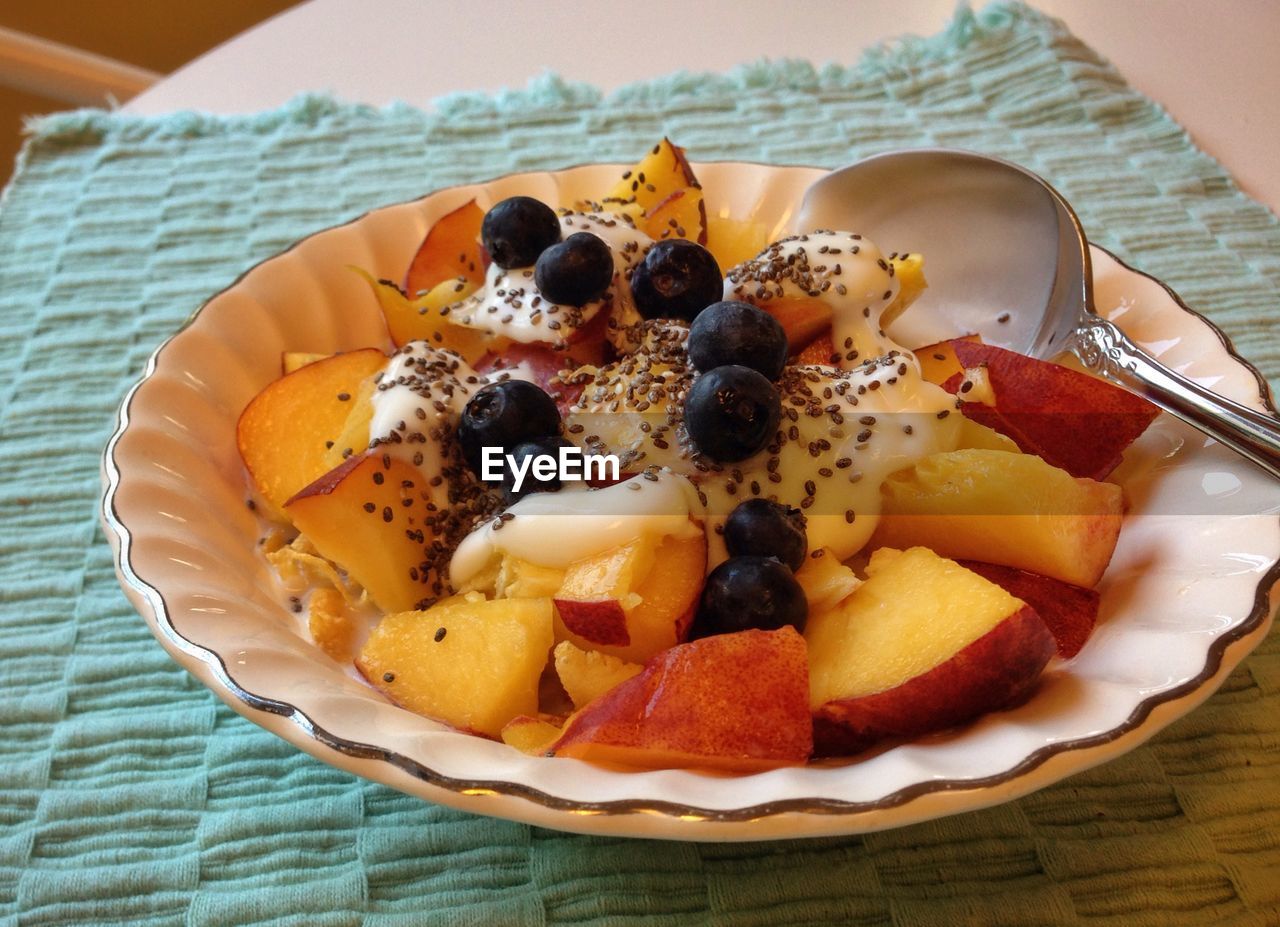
[1185, 599]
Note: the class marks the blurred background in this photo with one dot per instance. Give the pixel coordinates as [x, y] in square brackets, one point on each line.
[142, 38]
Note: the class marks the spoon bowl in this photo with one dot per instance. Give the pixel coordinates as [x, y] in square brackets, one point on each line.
[1009, 260]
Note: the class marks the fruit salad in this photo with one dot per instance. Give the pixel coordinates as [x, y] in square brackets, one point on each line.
[637, 486]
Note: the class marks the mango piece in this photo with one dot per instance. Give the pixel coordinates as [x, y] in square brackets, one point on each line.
[471, 663]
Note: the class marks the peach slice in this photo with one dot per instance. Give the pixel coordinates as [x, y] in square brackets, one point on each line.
[698, 704]
[1070, 612]
[909, 269]
[588, 674]
[425, 318]
[530, 735]
[635, 600]
[922, 645]
[1006, 508]
[803, 318]
[683, 214]
[1073, 420]
[468, 662]
[658, 174]
[449, 251]
[733, 241]
[820, 351]
[368, 517]
[938, 362]
[282, 433]
[825, 580]
[295, 360]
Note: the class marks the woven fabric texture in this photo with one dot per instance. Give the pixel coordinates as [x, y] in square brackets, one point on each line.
[129, 794]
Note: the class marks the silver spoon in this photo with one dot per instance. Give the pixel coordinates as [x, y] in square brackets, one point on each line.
[1000, 240]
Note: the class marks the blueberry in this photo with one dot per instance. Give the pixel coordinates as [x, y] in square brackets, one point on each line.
[750, 592]
[503, 415]
[676, 280]
[576, 271]
[517, 230]
[732, 332]
[731, 412]
[549, 447]
[762, 528]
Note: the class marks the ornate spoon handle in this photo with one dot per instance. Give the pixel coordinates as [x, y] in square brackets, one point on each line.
[1105, 349]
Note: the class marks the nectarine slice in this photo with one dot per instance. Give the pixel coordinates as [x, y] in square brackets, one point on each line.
[588, 674]
[449, 251]
[682, 214]
[468, 662]
[425, 318]
[368, 516]
[1074, 421]
[938, 362]
[922, 645]
[283, 431]
[1006, 508]
[733, 241]
[1070, 612]
[654, 178]
[635, 600]
[737, 702]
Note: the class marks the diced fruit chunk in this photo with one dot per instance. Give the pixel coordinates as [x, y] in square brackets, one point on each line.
[803, 318]
[529, 735]
[737, 702]
[657, 175]
[282, 432]
[368, 516]
[476, 674]
[922, 645]
[422, 318]
[1072, 420]
[734, 241]
[681, 215]
[293, 360]
[635, 600]
[1070, 612]
[450, 251]
[1000, 507]
[909, 269]
[588, 674]
[938, 362]
[826, 581]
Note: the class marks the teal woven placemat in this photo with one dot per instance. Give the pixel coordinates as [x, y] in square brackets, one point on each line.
[128, 794]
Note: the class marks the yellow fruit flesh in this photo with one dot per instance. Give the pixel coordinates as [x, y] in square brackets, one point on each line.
[588, 674]
[825, 581]
[1005, 508]
[529, 735]
[282, 433]
[421, 318]
[482, 672]
[914, 612]
[732, 241]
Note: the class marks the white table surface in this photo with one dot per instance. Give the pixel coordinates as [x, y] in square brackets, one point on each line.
[1213, 65]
